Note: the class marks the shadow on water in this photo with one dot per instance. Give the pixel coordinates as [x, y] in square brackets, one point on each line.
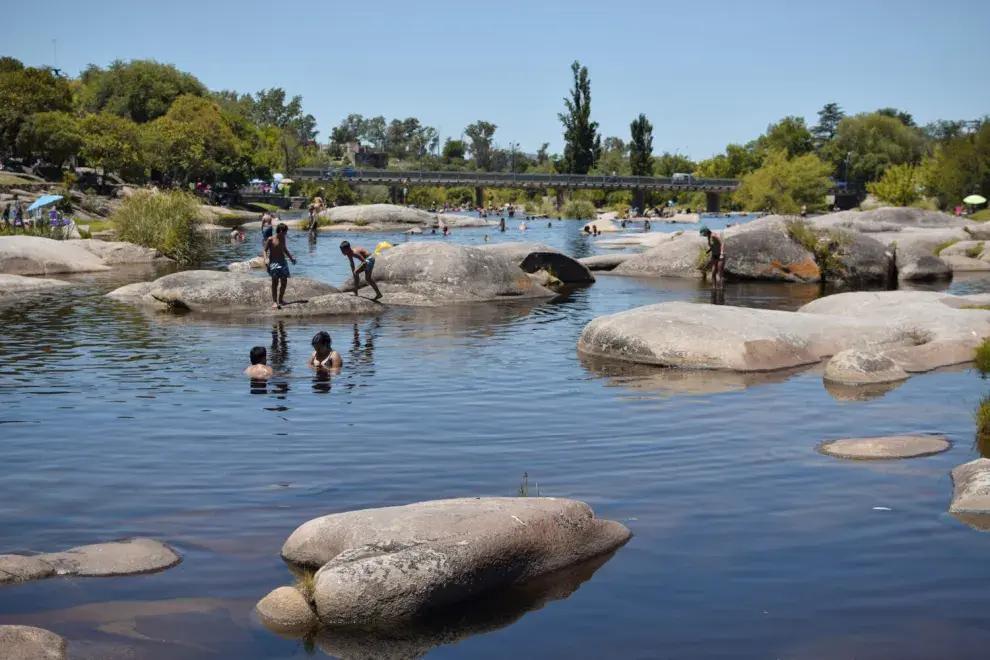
[453, 624]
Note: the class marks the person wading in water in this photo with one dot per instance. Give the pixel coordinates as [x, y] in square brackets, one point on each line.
[717, 261]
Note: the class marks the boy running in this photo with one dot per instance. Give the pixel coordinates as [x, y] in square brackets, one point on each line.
[276, 250]
[367, 265]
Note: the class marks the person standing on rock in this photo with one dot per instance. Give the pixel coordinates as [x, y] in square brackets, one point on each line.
[717, 261]
[276, 251]
[367, 265]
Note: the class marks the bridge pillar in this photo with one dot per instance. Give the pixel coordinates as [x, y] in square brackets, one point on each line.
[479, 197]
[713, 202]
[639, 199]
[394, 194]
[560, 198]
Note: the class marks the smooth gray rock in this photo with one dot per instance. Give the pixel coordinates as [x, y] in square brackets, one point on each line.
[883, 219]
[863, 367]
[116, 253]
[768, 254]
[17, 285]
[378, 214]
[462, 221]
[864, 259]
[285, 610]
[331, 304]
[29, 643]
[211, 291]
[34, 255]
[676, 256]
[125, 557]
[962, 249]
[971, 488]
[964, 264]
[396, 563]
[533, 257]
[605, 262]
[24, 568]
[916, 261]
[886, 447]
[256, 263]
[435, 274]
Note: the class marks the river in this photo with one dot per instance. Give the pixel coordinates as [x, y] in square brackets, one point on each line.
[747, 542]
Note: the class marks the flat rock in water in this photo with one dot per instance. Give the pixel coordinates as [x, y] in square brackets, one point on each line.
[886, 447]
[393, 564]
[887, 218]
[863, 367]
[462, 221]
[971, 488]
[674, 256]
[436, 274]
[34, 255]
[126, 557]
[331, 304]
[119, 253]
[220, 292]
[15, 285]
[246, 266]
[29, 643]
[605, 262]
[533, 257]
[23, 568]
[378, 213]
[964, 264]
[603, 226]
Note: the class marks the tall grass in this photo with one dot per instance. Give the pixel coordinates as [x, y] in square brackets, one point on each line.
[981, 357]
[166, 221]
[982, 417]
[579, 209]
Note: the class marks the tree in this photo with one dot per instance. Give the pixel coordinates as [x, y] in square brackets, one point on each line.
[641, 147]
[453, 151]
[790, 134]
[481, 133]
[670, 164]
[112, 144]
[541, 154]
[376, 132]
[959, 168]
[870, 143]
[194, 142]
[140, 90]
[351, 129]
[828, 122]
[53, 137]
[784, 184]
[901, 116]
[24, 92]
[296, 130]
[899, 185]
[582, 144]
[942, 130]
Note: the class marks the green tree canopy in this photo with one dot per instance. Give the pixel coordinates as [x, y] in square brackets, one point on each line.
[139, 90]
[480, 133]
[872, 143]
[112, 144]
[784, 185]
[454, 151]
[194, 142]
[641, 147]
[790, 134]
[960, 167]
[24, 92]
[582, 144]
[899, 186]
[828, 122]
[53, 137]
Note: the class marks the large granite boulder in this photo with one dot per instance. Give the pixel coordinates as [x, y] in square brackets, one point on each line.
[18, 285]
[378, 214]
[971, 488]
[119, 253]
[676, 255]
[125, 557]
[34, 255]
[533, 257]
[435, 274]
[768, 254]
[462, 221]
[605, 262]
[888, 219]
[917, 261]
[390, 565]
[856, 366]
[29, 643]
[221, 292]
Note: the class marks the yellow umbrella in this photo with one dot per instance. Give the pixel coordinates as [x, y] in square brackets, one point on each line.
[975, 199]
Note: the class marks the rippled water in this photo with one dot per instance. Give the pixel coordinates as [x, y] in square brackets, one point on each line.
[747, 542]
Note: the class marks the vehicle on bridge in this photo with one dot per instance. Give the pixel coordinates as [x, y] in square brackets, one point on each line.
[681, 177]
[343, 173]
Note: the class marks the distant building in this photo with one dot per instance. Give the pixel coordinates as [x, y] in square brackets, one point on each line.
[362, 156]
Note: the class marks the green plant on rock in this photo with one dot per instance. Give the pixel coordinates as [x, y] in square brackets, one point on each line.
[944, 244]
[982, 418]
[981, 358]
[825, 245]
[975, 251]
[167, 221]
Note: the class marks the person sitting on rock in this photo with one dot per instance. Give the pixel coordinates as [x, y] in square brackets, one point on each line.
[324, 357]
[275, 253]
[259, 364]
[367, 265]
[717, 262]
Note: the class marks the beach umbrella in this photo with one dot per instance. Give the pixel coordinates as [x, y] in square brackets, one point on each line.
[975, 199]
[277, 176]
[44, 200]
[256, 181]
[286, 182]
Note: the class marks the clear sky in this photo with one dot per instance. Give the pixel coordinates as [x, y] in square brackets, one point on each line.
[705, 73]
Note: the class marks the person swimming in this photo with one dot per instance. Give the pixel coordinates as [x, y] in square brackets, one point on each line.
[259, 364]
[324, 357]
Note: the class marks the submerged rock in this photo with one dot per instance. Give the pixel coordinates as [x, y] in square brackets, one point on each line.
[29, 643]
[34, 255]
[533, 257]
[886, 447]
[393, 564]
[286, 610]
[255, 263]
[863, 367]
[125, 557]
[16, 285]
[436, 274]
[605, 262]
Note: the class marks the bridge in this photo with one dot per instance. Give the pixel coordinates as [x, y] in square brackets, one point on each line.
[639, 185]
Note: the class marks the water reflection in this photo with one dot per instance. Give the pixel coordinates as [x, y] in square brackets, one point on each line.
[453, 624]
[868, 392]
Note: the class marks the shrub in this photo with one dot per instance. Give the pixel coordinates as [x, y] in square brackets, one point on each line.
[975, 251]
[824, 245]
[578, 209]
[981, 357]
[980, 216]
[941, 246]
[982, 418]
[166, 221]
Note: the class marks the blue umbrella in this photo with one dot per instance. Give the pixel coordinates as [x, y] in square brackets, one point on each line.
[44, 200]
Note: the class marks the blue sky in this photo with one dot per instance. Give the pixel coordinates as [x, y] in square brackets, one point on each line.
[705, 73]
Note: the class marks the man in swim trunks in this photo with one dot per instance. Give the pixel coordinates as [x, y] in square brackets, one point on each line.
[259, 363]
[717, 262]
[276, 251]
[367, 265]
[324, 357]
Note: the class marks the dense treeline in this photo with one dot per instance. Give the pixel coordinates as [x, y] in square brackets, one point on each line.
[146, 121]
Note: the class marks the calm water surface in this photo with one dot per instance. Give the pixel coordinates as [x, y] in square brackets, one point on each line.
[748, 544]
